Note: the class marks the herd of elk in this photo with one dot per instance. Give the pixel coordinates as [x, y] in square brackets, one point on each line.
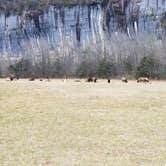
[94, 79]
[124, 80]
[89, 79]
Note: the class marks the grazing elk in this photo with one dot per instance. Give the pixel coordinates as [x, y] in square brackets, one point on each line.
[12, 77]
[94, 79]
[32, 79]
[48, 79]
[90, 79]
[124, 79]
[143, 79]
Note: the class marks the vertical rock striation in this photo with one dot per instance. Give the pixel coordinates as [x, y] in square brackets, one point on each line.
[78, 23]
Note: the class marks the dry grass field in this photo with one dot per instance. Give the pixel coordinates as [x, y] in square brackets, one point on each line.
[82, 124]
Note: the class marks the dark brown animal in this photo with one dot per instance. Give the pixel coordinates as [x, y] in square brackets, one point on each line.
[124, 79]
[12, 77]
[48, 79]
[94, 79]
[109, 80]
[90, 79]
[32, 79]
[143, 79]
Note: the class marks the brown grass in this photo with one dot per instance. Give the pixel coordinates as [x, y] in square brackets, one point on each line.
[82, 124]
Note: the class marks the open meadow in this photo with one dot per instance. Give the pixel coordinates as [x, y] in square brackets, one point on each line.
[72, 123]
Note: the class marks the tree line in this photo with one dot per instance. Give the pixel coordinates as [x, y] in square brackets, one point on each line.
[143, 55]
[18, 6]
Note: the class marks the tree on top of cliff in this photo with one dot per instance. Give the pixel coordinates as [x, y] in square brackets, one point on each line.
[18, 6]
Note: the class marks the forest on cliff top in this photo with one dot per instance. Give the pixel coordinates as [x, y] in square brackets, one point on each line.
[20, 5]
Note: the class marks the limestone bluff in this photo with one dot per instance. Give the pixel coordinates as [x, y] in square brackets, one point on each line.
[80, 22]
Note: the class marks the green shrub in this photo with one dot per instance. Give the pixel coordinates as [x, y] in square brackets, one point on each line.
[21, 69]
[86, 69]
[128, 67]
[57, 69]
[106, 69]
[146, 68]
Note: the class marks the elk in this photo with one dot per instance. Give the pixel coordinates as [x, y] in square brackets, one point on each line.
[12, 77]
[94, 79]
[143, 79]
[32, 79]
[124, 79]
[90, 79]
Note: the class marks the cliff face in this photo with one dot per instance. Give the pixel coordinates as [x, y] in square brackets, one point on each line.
[78, 23]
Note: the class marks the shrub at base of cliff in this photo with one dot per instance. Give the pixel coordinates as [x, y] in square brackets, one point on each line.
[86, 69]
[128, 68]
[57, 69]
[148, 68]
[21, 69]
[106, 69]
